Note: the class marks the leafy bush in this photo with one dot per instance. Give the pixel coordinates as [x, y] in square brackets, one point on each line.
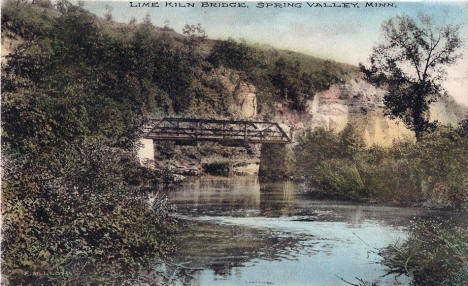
[234, 55]
[433, 170]
[87, 207]
[435, 253]
[74, 198]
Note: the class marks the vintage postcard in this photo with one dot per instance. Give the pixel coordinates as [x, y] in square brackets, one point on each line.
[236, 143]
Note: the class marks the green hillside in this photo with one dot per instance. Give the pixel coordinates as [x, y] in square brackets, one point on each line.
[174, 69]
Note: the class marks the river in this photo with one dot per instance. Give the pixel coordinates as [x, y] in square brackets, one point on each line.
[243, 233]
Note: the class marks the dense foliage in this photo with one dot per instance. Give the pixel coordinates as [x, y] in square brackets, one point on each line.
[435, 254]
[82, 222]
[74, 198]
[280, 78]
[434, 170]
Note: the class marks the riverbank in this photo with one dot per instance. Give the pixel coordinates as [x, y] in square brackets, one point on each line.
[430, 173]
[326, 196]
[435, 253]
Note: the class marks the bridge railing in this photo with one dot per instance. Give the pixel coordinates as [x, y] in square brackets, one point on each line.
[189, 129]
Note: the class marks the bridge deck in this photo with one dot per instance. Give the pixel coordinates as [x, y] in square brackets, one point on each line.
[225, 131]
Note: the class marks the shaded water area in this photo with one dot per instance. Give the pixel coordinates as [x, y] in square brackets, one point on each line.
[242, 232]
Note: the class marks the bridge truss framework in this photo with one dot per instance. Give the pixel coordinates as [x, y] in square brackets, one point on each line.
[228, 132]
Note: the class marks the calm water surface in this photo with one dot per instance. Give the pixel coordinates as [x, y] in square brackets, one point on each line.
[245, 233]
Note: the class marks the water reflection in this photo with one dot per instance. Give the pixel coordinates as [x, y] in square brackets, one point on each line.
[215, 196]
[244, 233]
[225, 247]
[277, 199]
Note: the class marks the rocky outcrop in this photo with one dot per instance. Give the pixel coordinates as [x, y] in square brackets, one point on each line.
[360, 104]
[145, 152]
[245, 100]
[9, 44]
[240, 94]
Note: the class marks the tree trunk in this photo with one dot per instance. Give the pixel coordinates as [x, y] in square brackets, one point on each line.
[418, 118]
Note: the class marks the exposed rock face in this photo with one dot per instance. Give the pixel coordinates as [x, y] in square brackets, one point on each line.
[8, 46]
[360, 104]
[241, 95]
[447, 111]
[328, 109]
[356, 102]
[245, 100]
[146, 153]
[377, 129]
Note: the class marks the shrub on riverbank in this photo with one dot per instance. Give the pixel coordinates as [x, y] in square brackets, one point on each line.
[435, 254]
[81, 219]
[434, 170]
[74, 197]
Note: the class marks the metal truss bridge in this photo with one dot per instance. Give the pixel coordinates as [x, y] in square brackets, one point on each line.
[227, 132]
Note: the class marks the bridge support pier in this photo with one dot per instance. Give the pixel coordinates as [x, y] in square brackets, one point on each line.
[146, 152]
[273, 162]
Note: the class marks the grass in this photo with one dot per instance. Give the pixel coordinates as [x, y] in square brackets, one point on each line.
[432, 172]
[435, 253]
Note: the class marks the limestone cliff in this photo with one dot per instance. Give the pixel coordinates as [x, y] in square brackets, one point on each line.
[355, 102]
[245, 100]
[360, 104]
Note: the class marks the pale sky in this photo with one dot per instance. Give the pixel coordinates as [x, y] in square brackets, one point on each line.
[341, 34]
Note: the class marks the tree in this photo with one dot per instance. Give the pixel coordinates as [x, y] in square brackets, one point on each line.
[74, 197]
[194, 35]
[351, 141]
[411, 64]
[235, 55]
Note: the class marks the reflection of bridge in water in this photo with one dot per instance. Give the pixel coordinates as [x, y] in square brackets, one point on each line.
[227, 132]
